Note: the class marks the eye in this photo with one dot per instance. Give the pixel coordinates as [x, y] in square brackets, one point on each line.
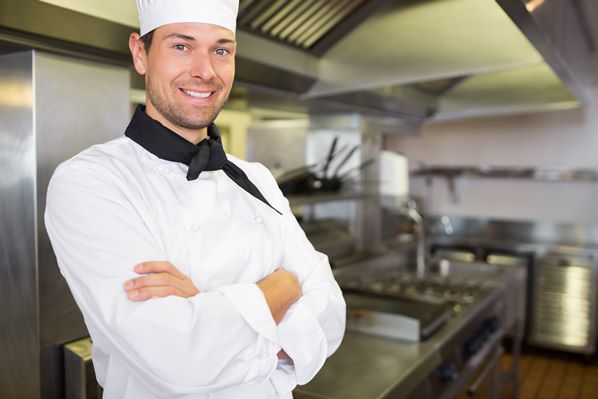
[180, 47]
[222, 51]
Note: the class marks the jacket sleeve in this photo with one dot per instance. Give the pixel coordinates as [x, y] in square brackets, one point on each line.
[176, 346]
[314, 326]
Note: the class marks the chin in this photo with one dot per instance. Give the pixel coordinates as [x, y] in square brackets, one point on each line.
[196, 123]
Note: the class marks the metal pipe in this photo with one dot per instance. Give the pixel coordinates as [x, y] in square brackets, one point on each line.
[420, 232]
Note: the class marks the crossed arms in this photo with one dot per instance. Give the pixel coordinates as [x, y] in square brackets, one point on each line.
[281, 288]
[186, 341]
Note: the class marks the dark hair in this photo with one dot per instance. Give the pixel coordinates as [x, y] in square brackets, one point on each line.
[147, 40]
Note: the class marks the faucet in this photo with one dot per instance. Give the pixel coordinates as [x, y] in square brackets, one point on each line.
[447, 225]
[420, 231]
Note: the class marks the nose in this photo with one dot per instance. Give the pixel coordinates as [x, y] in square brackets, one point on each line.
[202, 68]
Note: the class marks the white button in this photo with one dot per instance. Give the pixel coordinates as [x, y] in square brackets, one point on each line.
[196, 227]
[166, 171]
[259, 219]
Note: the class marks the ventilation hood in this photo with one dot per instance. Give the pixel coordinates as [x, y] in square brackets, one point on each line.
[423, 60]
[413, 60]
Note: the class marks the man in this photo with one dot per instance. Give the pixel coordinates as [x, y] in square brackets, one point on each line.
[194, 278]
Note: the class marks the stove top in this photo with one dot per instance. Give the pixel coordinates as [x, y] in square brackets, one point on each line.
[460, 293]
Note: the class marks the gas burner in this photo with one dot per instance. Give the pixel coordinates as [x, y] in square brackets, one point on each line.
[459, 293]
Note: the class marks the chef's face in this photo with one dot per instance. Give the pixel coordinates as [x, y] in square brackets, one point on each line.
[189, 70]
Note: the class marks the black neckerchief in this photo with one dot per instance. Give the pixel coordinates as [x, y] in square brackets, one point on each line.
[207, 155]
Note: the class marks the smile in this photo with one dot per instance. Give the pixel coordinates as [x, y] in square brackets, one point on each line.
[197, 94]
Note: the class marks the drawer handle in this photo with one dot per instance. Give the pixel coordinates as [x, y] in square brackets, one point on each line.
[473, 388]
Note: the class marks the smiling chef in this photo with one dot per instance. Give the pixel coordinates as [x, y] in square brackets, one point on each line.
[193, 276]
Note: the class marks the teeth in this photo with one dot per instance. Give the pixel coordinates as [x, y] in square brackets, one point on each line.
[197, 94]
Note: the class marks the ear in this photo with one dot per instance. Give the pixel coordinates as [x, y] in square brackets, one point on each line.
[138, 53]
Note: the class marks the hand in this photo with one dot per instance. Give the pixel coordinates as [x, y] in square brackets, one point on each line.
[281, 290]
[282, 355]
[160, 279]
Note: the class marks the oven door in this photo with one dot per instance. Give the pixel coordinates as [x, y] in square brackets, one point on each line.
[478, 377]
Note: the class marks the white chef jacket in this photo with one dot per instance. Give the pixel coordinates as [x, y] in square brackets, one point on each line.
[115, 205]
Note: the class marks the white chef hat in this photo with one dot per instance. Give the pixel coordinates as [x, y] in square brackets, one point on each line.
[155, 13]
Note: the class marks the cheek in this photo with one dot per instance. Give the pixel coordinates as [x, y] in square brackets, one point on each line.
[227, 74]
[224, 68]
[166, 74]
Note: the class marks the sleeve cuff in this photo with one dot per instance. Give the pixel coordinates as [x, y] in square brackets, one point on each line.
[283, 379]
[251, 304]
[302, 338]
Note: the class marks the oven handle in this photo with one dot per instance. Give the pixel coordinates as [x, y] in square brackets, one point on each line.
[492, 364]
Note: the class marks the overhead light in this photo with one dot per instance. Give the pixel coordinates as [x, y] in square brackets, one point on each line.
[531, 5]
[16, 94]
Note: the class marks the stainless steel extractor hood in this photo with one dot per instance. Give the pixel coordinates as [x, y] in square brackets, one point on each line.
[425, 59]
[418, 60]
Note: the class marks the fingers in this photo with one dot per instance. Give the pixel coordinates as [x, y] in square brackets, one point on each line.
[184, 287]
[146, 293]
[159, 279]
[152, 280]
[158, 267]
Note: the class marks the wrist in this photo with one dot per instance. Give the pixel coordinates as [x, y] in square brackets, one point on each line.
[281, 290]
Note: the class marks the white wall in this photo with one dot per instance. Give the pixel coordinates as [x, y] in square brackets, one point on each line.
[558, 139]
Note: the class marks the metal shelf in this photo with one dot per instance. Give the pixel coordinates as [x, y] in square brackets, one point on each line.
[536, 174]
[298, 200]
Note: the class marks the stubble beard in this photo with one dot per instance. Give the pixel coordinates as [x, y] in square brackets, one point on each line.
[175, 113]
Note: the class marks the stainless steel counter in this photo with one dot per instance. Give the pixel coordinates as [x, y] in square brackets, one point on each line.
[371, 367]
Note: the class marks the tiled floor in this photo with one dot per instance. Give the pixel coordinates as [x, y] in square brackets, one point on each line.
[552, 375]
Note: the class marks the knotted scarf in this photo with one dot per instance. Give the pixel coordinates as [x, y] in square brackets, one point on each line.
[208, 155]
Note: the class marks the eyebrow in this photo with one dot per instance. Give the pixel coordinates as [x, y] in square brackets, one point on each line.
[226, 41]
[180, 36]
[192, 39]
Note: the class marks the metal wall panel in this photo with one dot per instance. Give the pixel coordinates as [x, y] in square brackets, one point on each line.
[78, 104]
[19, 376]
[51, 108]
[279, 145]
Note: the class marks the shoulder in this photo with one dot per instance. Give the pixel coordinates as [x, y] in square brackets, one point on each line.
[262, 178]
[96, 166]
[107, 157]
[255, 168]
[255, 171]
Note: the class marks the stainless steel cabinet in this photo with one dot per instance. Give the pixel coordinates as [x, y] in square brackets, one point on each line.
[563, 314]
